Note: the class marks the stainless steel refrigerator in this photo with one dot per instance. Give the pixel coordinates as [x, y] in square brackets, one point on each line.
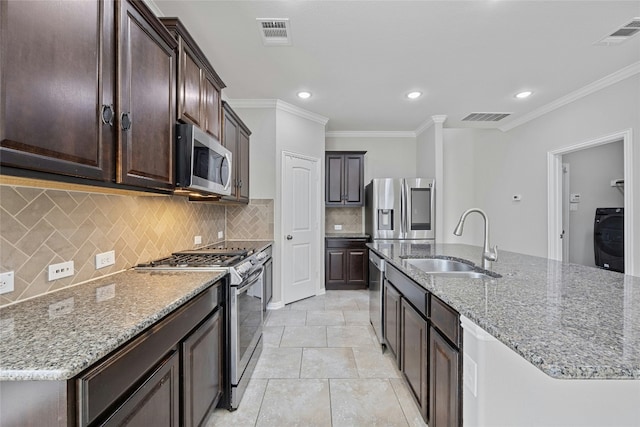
[400, 209]
[395, 209]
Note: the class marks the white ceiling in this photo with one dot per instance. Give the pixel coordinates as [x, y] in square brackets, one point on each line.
[359, 58]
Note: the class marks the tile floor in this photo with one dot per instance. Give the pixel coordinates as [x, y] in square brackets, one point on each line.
[321, 366]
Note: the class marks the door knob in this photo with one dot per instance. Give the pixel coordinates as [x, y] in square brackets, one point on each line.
[289, 237]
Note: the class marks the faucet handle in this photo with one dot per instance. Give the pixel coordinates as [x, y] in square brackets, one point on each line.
[492, 255]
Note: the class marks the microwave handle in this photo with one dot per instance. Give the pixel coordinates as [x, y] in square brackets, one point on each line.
[226, 187]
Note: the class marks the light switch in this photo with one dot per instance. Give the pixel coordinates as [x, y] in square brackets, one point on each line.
[573, 207]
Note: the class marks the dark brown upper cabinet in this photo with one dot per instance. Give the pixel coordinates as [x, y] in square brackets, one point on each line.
[147, 98]
[57, 99]
[235, 137]
[199, 85]
[344, 175]
[60, 112]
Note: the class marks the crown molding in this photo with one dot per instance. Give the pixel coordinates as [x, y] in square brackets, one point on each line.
[424, 126]
[439, 119]
[370, 134]
[278, 104]
[301, 112]
[154, 8]
[604, 82]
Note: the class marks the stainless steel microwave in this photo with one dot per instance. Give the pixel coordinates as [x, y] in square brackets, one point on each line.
[202, 163]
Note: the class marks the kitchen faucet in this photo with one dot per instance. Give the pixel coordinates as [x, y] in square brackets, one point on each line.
[488, 254]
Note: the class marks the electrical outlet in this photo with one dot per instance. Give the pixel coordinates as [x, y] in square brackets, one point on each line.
[58, 271]
[105, 259]
[220, 234]
[104, 293]
[6, 282]
[197, 240]
[337, 227]
[61, 308]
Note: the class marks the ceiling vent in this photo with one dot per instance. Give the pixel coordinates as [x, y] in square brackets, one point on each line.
[485, 117]
[275, 32]
[621, 34]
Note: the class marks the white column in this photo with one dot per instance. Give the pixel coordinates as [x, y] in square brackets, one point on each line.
[440, 184]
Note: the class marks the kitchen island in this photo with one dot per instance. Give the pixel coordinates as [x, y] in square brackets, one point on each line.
[52, 346]
[578, 326]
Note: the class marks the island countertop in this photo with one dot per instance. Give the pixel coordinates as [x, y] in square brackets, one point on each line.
[570, 321]
[58, 335]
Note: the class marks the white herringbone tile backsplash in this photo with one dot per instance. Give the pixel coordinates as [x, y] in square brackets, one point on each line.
[39, 227]
[252, 221]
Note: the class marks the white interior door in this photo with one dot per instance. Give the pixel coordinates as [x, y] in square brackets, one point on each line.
[566, 190]
[300, 227]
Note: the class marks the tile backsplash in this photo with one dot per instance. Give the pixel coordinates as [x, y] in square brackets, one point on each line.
[350, 219]
[39, 227]
[252, 221]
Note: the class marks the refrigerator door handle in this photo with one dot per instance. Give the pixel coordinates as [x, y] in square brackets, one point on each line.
[404, 213]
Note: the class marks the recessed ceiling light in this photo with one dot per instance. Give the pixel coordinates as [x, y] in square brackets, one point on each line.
[523, 95]
[304, 94]
[414, 95]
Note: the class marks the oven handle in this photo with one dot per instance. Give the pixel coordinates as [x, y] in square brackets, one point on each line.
[251, 281]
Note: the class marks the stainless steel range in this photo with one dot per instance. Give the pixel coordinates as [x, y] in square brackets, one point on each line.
[245, 314]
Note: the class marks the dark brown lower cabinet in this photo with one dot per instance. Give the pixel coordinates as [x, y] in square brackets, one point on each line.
[414, 357]
[202, 370]
[346, 263]
[156, 402]
[391, 318]
[444, 382]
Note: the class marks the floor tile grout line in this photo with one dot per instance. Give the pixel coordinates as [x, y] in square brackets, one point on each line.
[406, 418]
[261, 402]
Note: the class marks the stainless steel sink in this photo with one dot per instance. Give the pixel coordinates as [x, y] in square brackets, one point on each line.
[435, 265]
[449, 268]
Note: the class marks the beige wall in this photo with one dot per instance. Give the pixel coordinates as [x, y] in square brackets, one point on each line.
[39, 227]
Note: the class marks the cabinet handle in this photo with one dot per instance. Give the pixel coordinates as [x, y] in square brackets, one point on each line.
[125, 121]
[106, 115]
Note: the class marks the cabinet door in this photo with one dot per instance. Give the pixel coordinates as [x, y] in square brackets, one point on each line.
[57, 71]
[335, 267]
[243, 166]
[211, 109]
[444, 382]
[147, 99]
[230, 141]
[334, 176]
[190, 88]
[202, 370]
[392, 319]
[357, 267]
[414, 360]
[353, 180]
[156, 402]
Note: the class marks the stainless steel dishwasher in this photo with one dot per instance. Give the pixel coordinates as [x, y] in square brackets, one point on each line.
[376, 275]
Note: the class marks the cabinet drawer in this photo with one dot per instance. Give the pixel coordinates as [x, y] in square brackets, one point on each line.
[411, 291]
[445, 319]
[100, 387]
[346, 243]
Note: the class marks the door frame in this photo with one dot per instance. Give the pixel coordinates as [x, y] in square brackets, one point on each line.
[318, 232]
[554, 194]
[566, 207]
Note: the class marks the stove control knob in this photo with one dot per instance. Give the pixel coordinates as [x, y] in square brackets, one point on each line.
[261, 256]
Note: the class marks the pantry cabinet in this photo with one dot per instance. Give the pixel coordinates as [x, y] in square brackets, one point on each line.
[198, 84]
[344, 175]
[88, 91]
[235, 137]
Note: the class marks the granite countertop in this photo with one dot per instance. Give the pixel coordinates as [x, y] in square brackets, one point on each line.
[570, 321]
[58, 335]
[346, 236]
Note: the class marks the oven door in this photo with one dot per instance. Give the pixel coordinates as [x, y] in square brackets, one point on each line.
[246, 322]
